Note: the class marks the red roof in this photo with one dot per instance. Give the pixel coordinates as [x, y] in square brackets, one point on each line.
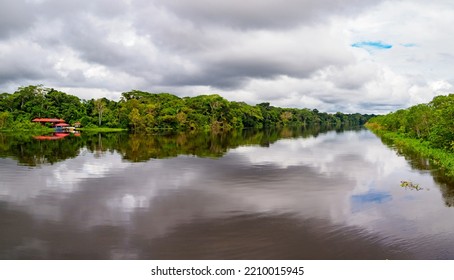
[48, 120]
[62, 124]
[61, 134]
[56, 136]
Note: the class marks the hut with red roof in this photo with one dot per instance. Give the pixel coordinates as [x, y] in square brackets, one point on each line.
[58, 124]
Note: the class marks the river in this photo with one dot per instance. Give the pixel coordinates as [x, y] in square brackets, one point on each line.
[284, 194]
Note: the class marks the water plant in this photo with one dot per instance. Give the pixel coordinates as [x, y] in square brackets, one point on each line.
[410, 185]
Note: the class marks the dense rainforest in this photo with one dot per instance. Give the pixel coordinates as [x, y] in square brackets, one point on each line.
[143, 111]
[432, 122]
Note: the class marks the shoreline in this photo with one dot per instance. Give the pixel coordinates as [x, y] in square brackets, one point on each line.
[441, 158]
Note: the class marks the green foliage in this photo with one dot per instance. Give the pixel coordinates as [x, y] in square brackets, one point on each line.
[5, 119]
[150, 112]
[410, 185]
[432, 122]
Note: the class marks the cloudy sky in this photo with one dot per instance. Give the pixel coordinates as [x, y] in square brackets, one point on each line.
[366, 56]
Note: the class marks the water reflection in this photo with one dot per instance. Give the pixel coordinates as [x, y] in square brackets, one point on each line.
[29, 150]
[320, 195]
[445, 183]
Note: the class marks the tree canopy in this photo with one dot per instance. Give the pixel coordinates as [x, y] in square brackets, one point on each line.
[145, 112]
[432, 122]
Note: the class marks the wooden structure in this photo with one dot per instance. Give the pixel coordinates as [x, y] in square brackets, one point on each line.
[58, 124]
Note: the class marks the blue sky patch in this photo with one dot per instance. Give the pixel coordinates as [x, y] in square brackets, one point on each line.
[372, 197]
[409, 45]
[363, 201]
[376, 45]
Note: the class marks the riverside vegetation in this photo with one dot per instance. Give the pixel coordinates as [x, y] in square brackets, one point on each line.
[140, 111]
[427, 129]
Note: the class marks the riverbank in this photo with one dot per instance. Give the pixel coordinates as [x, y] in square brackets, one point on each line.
[101, 129]
[439, 157]
[43, 130]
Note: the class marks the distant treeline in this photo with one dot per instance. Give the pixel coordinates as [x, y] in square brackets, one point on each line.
[143, 111]
[432, 122]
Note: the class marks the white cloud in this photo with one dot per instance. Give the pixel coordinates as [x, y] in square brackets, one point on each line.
[298, 55]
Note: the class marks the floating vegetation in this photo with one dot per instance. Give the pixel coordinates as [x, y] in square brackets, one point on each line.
[410, 185]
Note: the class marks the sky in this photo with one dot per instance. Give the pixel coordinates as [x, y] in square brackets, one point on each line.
[349, 56]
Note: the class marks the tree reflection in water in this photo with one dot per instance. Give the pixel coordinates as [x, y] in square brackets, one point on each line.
[31, 150]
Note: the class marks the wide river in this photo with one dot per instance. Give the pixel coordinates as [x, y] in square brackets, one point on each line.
[289, 194]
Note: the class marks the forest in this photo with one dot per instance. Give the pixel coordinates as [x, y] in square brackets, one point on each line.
[432, 122]
[146, 112]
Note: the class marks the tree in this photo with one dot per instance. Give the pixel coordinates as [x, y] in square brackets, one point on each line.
[286, 116]
[138, 110]
[5, 119]
[420, 120]
[100, 106]
[136, 119]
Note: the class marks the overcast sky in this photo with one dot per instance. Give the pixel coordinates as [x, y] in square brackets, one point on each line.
[350, 56]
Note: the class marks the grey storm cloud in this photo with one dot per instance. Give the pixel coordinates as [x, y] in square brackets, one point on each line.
[290, 52]
[89, 39]
[232, 70]
[261, 13]
[15, 16]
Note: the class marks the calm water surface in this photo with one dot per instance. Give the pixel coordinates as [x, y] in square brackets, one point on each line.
[281, 195]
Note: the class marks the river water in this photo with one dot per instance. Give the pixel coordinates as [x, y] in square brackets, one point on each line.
[289, 194]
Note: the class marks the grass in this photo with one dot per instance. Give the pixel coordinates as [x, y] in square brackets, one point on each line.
[42, 130]
[101, 129]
